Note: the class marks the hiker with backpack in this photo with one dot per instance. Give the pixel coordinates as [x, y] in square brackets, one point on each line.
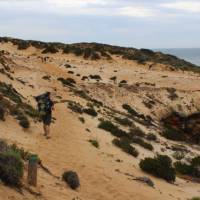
[45, 107]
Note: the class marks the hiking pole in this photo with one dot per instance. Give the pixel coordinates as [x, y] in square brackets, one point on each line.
[32, 170]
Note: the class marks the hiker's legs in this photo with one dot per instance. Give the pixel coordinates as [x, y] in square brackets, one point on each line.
[46, 130]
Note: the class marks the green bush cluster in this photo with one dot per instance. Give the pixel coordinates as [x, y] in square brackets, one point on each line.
[160, 166]
[142, 143]
[95, 143]
[90, 111]
[124, 121]
[113, 129]
[192, 169]
[75, 107]
[129, 109]
[151, 137]
[11, 168]
[125, 144]
[67, 82]
[173, 134]
[50, 49]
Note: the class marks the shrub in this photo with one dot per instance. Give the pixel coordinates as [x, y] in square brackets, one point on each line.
[72, 179]
[125, 145]
[160, 166]
[151, 137]
[75, 107]
[142, 143]
[82, 119]
[90, 111]
[95, 143]
[24, 123]
[50, 49]
[87, 53]
[3, 146]
[23, 120]
[96, 77]
[173, 134]
[113, 129]
[136, 131]
[2, 113]
[69, 81]
[124, 121]
[195, 198]
[11, 168]
[183, 168]
[129, 109]
[23, 45]
[178, 155]
[192, 169]
[95, 56]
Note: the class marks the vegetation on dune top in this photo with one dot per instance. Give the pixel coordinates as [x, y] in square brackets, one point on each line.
[95, 51]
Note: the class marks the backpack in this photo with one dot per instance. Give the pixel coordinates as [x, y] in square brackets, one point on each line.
[44, 104]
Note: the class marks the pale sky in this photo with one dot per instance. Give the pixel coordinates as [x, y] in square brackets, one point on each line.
[135, 23]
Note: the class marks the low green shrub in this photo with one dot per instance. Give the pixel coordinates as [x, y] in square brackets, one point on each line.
[195, 198]
[82, 119]
[67, 82]
[75, 107]
[95, 143]
[50, 49]
[125, 144]
[113, 129]
[160, 166]
[11, 168]
[151, 137]
[72, 179]
[178, 155]
[192, 169]
[129, 109]
[124, 121]
[142, 143]
[173, 134]
[136, 131]
[90, 111]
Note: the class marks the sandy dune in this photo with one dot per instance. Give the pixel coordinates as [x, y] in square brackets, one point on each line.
[102, 178]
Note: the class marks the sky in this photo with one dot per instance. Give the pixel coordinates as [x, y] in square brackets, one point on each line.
[133, 23]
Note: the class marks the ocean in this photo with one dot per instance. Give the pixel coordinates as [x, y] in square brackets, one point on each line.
[191, 55]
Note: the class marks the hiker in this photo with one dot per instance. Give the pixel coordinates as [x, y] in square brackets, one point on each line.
[45, 107]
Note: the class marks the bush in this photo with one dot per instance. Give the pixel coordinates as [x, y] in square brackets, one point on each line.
[82, 119]
[95, 143]
[75, 107]
[173, 134]
[72, 179]
[124, 121]
[160, 166]
[96, 77]
[142, 143]
[136, 131]
[178, 155]
[151, 137]
[2, 113]
[113, 129]
[90, 111]
[129, 109]
[11, 168]
[50, 49]
[192, 169]
[195, 198]
[23, 120]
[24, 123]
[183, 168]
[69, 81]
[125, 145]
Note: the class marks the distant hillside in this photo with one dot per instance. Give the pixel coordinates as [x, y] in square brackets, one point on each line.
[96, 51]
